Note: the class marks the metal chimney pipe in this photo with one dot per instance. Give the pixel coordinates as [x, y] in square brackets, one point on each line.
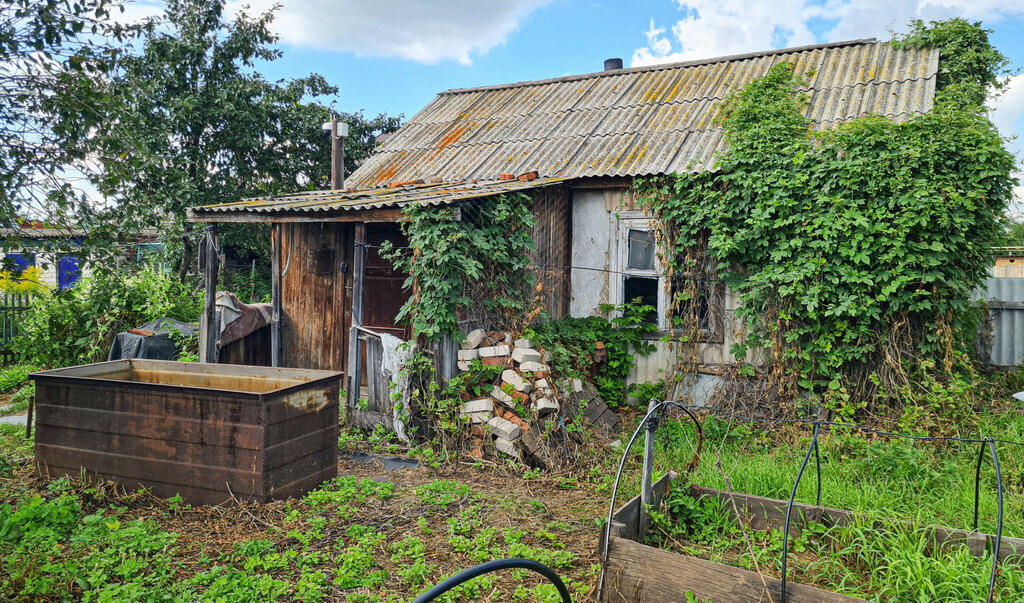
[612, 64]
[338, 153]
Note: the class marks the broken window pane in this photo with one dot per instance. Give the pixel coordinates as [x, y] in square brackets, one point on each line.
[641, 250]
[646, 290]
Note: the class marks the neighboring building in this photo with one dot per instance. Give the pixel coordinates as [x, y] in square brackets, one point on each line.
[1009, 262]
[51, 250]
[586, 137]
[34, 244]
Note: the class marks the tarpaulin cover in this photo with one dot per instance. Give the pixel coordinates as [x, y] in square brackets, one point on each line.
[159, 346]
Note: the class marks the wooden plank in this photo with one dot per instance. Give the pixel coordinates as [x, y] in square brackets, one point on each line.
[762, 513]
[275, 296]
[210, 272]
[300, 468]
[636, 572]
[354, 373]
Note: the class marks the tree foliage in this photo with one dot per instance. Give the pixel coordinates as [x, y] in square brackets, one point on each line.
[48, 50]
[854, 251]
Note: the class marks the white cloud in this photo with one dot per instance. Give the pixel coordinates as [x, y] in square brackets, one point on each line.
[710, 28]
[426, 32]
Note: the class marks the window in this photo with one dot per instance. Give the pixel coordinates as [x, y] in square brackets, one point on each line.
[643, 278]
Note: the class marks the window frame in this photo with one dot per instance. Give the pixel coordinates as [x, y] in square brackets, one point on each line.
[635, 220]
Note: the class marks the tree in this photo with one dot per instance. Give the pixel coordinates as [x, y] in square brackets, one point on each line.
[49, 49]
[192, 122]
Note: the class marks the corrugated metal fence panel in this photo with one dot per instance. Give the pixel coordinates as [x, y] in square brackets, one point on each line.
[1005, 299]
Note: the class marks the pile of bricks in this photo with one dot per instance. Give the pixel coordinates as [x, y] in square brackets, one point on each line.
[524, 402]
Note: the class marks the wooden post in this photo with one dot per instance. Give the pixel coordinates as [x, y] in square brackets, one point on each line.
[275, 295]
[648, 474]
[337, 156]
[211, 268]
[354, 377]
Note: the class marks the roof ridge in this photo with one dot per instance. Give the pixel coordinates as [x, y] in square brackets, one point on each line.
[663, 66]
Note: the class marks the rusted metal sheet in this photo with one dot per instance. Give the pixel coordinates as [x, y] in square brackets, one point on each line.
[205, 431]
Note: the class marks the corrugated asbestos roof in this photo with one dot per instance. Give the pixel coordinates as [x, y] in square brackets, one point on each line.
[629, 122]
[332, 201]
[626, 122]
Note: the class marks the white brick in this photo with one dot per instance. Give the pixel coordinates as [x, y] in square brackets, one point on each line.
[495, 351]
[473, 339]
[463, 365]
[541, 384]
[523, 343]
[499, 395]
[478, 418]
[508, 338]
[515, 380]
[481, 405]
[507, 447]
[503, 428]
[577, 386]
[546, 357]
[545, 407]
[469, 354]
[532, 367]
[525, 355]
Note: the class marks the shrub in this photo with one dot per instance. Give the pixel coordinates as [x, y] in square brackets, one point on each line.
[78, 325]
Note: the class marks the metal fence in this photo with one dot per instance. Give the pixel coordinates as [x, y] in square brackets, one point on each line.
[1001, 341]
[13, 307]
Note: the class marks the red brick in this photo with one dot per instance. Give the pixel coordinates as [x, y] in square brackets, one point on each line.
[404, 183]
[506, 176]
[505, 361]
[599, 345]
[528, 176]
[477, 453]
[478, 431]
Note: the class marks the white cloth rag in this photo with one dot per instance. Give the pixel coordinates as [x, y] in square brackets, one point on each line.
[395, 354]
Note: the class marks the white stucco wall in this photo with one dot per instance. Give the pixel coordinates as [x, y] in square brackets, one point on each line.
[595, 251]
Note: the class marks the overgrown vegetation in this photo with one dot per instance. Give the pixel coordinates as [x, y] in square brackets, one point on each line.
[876, 561]
[453, 250]
[351, 539]
[77, 326]
[571, 342]
[854, 251]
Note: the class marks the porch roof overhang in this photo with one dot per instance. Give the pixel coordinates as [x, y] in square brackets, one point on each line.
[358, 205]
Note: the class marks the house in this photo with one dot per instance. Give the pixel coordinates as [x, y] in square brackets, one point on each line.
[34, 244]
[575, 144]
[52, 250]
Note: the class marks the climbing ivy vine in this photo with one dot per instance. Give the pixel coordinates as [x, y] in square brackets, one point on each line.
[854, 251]
[458, 256]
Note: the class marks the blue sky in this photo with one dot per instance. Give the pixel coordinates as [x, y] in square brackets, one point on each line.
[393, 56]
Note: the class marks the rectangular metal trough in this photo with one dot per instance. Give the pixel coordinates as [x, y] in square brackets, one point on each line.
[204, 431]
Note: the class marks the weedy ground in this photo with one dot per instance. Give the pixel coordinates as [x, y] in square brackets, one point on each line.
[385, 536]
[367, 536]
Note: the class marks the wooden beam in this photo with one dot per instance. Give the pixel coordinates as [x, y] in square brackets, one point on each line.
[389, 214]
[211, 269]
[636, 572]
[355, 357]
[275, 295]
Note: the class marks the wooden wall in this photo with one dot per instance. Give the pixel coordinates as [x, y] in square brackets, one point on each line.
[552, 254]
[314, 301]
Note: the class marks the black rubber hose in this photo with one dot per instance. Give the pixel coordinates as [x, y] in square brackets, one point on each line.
[789, 509]
[492, 566]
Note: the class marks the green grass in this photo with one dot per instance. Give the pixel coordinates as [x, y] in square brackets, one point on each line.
[890, 562]
[929, 482]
